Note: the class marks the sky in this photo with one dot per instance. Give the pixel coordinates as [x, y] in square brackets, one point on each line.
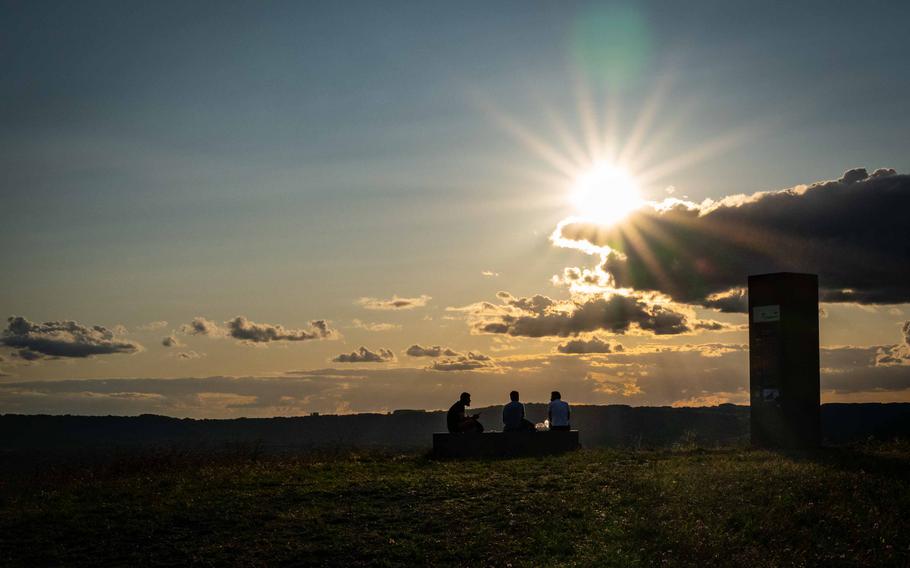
[276, 208]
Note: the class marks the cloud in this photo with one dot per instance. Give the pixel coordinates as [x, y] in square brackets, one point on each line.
[375, 326]
[394, 303]
[171, 341]
[434, 351]
[190, 355]
[593, 345]
[851, 232]
[152, 326]
[712, 325]
[202, 326]
[251, 332]
[245, 330]
[540, 316]
[489, 274]
[364, 355]
[646, 375]
[62, 339]
[469, 362]
[735, 300]
[895, 354]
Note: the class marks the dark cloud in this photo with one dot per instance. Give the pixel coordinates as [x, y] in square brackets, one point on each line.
[251, 332]
[394, 303]
[542, 317]
[735, 300]
[245, 330]
[852, 232]
[171, 341]
[434, 351]
[364, 355]
[712, 325]
[593, 345]
[62, 339]
[537, 303]
[202, 326]
[469, 362]
[27, 355]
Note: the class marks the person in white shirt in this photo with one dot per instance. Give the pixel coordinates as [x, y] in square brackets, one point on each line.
[558, 412]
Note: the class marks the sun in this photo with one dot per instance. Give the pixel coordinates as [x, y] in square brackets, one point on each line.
[606, 194]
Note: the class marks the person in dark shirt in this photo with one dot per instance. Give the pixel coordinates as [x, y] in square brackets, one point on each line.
[457, 421]
[513, 416]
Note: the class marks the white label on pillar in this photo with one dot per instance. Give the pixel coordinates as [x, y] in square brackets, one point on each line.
[765, 313]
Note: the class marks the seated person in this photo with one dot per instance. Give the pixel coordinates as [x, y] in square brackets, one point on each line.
[558, 412]
[457, 421]
[513, 416]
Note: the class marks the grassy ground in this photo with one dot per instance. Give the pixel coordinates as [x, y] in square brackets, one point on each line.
[590, 508]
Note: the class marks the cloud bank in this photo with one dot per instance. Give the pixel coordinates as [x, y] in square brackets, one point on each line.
[852, 232]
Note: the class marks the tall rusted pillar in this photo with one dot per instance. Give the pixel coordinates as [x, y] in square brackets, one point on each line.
[783, 360]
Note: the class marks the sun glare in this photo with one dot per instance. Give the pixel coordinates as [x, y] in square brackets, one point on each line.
[606, 194]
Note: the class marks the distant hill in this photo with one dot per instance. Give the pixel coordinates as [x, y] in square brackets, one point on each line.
[600, 426]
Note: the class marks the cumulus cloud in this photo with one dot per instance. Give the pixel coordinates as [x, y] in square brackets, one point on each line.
[364, 355]
[245, 330]
[540, 316]
[593, 345]
[202, 326]
[851, 232]
[468, 362]
[62, 339]
[434, 351]
[895, 354]
[152, 326]
[171, 341]
[394, 303]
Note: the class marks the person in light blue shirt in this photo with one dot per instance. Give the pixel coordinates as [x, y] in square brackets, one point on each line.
[513, 416]
[558, 412]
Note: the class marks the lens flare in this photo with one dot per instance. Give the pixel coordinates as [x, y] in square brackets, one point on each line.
[606, 194]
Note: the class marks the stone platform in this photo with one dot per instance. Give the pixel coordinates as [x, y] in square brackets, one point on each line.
[504, 444]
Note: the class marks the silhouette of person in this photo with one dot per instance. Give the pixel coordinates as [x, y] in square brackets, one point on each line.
[513, 416]
[457, 421]
[558, 412]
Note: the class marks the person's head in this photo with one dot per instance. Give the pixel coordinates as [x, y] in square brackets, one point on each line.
[514, 396]
[555, 395]
[465, 398]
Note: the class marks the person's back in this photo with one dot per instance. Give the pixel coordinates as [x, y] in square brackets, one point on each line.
[558, 412]
[512, 415]
[455, 417]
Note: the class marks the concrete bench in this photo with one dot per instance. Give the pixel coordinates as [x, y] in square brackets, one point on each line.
[504, 444]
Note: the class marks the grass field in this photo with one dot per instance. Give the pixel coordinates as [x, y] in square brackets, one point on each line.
[847, 506]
